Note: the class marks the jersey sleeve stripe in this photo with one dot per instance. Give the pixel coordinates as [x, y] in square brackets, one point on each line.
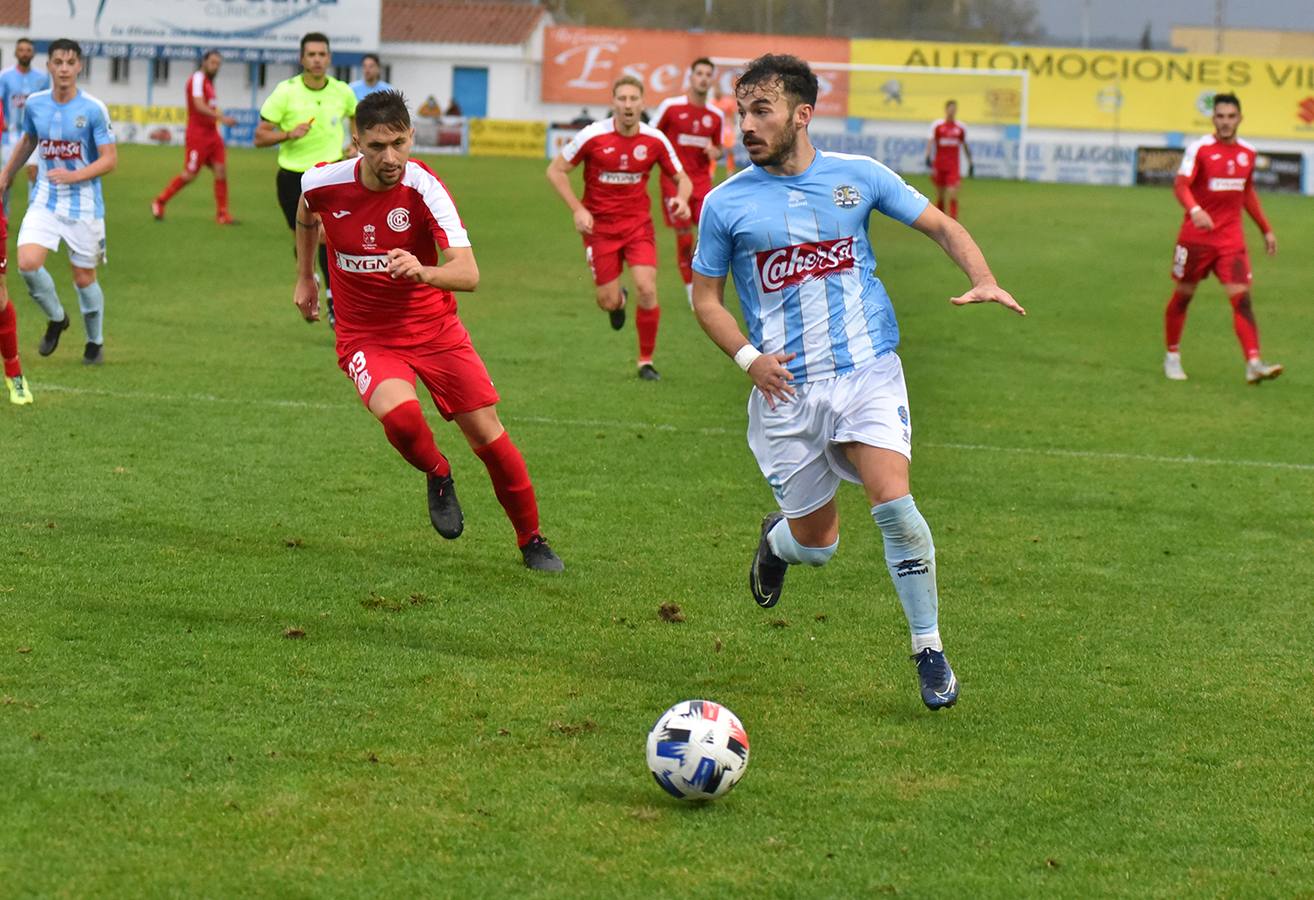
[197, 88]
[1188, 158]
[585, 134]
[439, 201]
[316, 177]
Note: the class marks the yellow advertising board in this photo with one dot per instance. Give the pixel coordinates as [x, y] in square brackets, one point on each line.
[1109, 90]
[147, 115]
[504, 137]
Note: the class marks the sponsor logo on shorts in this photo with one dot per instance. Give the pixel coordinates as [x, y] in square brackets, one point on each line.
[1180, 255]
[778, 269]
[847, 196]
[620, 178]
[692, 140]
[399, 219]
[903, 414]
[349, 263]
[51, 149]
[1227, 184]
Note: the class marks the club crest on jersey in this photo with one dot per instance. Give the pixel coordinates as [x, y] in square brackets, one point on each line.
[80, 122]
[780, 268]
[707, 121]
[367, 237]
[847, 196]
[641, 153]
[399, 219]
[1242, 158]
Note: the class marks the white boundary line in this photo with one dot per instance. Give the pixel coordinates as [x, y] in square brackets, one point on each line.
[1103, 456]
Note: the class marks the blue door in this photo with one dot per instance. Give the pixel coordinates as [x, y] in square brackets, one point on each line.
[470, 88]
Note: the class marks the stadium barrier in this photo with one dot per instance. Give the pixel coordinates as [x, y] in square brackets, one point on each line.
[1280, 172]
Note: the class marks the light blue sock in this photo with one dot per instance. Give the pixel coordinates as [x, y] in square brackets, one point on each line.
[786, 546]
[910, 555]
[91, 300]
[42, 288]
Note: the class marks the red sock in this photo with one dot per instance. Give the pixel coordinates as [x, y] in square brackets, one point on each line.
[1243, 320]
[684, 248]
[174, 187]
[953, 209]
[410, 434]
[9, 340]
[221, 196]
[506, 467]
[1174, 319]
[645, 322]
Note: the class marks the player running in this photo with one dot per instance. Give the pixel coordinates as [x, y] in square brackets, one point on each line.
[304, 116]
[694, 128]
[829, 400]
[383, 215]
[947, 136]
[615, 217]
[71, 131]
[17, 82]
[20, 394]
[204, 143]
[1215, 181]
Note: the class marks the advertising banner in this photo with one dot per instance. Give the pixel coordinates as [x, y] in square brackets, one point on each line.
[139, 124]
[1121, 91]
[505, 137]
[1280, 172]
[580, 64]
[351, 25]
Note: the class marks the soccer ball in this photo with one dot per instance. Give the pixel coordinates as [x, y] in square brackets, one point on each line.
[698, 750]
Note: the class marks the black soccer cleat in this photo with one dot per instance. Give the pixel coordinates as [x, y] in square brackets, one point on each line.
[617, 315]
[648, 373]
[444, 508]
[939, 685]
[766, 576]
[93, 354]
[51, 339]
[539, 556]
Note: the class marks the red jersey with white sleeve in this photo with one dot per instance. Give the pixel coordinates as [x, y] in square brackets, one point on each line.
[616, 171]
[416, 215]
[200, 126]
[692, 130]
[948, 138]
[1218, 176]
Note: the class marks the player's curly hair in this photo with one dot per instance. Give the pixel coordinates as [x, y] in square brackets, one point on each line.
[383, 108]
[794, 76]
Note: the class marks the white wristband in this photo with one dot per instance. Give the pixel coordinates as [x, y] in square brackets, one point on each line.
[745, 356]
[1192, 210]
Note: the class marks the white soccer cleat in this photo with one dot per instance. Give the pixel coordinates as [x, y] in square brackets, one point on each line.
[1172, 367]
[1257, 371]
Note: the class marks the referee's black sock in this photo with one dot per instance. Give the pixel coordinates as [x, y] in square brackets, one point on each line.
[324, 267]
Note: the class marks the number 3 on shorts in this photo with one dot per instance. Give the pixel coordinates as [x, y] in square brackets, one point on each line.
[357, 372]
[1179, 261]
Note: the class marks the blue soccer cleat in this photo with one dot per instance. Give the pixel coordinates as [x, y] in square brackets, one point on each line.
[938, 683]
[766, 576]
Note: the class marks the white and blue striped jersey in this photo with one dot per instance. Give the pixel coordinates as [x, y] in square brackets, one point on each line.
[15, 88]
[68, 136]
[802, 263]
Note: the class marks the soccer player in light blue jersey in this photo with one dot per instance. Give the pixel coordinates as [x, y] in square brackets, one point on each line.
[829, 401]
[371, 82]
[70, 131]
[17, 82]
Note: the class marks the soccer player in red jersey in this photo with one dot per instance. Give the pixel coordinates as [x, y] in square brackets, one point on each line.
[1215, 181]
[615, 217]
[205, 145]
[385, 218]
[693, 127]
[19, 392]
[947, 136]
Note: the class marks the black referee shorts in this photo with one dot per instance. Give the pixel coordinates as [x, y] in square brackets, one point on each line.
[289, 192]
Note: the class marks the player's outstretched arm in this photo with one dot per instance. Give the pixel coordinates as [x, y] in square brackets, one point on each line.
[679, 204]
[959, 246]
[457, 272]
[306, 293]
[22, 150]
[558, 175]
[1256, 212]
[766, 369]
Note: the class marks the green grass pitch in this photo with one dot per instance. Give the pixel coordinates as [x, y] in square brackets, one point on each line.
[1126, 573]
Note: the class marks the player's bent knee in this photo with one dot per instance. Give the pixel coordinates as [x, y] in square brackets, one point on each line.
[817, 556]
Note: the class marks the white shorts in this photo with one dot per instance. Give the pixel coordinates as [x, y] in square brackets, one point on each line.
[797, 443]
[85, 237]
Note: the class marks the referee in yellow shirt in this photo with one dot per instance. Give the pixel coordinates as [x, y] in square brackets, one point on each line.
[306, 117]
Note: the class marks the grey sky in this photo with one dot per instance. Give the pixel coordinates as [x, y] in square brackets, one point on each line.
[1125, 19]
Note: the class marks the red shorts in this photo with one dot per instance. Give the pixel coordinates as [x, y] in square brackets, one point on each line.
[4, 244]
[207, 151]
[946, 178]
[607, 252]
[695, 211]
[451, 369]
[1193, 263]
